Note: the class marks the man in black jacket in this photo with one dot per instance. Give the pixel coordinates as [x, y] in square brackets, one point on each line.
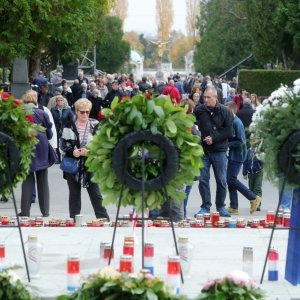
[215, 123]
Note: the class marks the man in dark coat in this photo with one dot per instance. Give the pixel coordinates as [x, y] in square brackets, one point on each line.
[246, 112]
[215, 123]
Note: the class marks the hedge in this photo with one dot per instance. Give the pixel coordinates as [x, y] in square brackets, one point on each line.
[264, 82]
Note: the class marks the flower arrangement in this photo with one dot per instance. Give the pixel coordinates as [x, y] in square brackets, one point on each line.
[142, 112]
[235, 286]
[17, 122]
[11, 287]
[273, 122]
[110, 284]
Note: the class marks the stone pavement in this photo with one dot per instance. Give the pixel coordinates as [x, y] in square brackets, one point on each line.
[216, 251]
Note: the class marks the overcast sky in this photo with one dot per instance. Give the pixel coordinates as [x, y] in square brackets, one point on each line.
[141, 16]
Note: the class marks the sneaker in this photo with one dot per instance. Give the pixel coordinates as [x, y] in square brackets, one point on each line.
[233, 211]
[203, 211]
[223, 212]
[254, 204]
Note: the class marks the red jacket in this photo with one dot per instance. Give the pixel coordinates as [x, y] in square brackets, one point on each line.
[172, 91]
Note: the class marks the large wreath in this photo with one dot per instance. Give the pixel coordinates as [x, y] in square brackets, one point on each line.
[141, 114]
[17, 123]
[275, 122]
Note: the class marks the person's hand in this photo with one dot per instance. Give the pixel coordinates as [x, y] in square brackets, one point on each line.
[245, 177]
[77, 153]
[83, 152]
[208, 140]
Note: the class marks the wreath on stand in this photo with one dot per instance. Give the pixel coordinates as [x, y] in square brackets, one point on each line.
[147, 116]
[17, 123]
[277, 123]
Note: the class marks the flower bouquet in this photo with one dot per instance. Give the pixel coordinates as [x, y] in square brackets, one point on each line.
[109, 284]
[235, 286]
[273, 122]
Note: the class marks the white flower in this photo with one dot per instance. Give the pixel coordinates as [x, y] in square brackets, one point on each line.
[297, 82]
[13, 276]
[284, 105]
[239, 277]
[296, 89]
[275, 102]
[264, 103]
[109, 273]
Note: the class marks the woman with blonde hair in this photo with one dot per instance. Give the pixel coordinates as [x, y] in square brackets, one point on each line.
[75, 138]
[254, 101]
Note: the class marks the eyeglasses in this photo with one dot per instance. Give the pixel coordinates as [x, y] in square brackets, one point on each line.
[82, 112]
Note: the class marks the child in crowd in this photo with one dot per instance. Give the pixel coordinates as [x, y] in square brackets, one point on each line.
[253, 169]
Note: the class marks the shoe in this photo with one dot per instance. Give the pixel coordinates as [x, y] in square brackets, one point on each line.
[254, 204]
[22, 215]
[45, 215]
[223, 212]
[203, 211]
[33, 200]
[233, 211]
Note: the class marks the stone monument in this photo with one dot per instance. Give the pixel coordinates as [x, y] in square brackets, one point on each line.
[20, 82]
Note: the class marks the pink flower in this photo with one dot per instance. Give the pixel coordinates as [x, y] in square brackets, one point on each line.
[239, 278]
[208, 285]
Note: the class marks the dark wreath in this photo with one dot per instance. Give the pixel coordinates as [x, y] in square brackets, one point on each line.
[166, 159]
[289, 158]
[9, 152]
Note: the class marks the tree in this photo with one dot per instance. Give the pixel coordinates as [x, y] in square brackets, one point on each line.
[164, 18]
[119, 9]
[192, 16]
[149, 52]
[112, 50]
[133, 39]
[179, 49]
[224, 36]
[52, 29]
[275, 30]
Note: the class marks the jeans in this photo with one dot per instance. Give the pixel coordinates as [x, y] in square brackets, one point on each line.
[234, 185]
[218, 161]
[287, 197]
[187, 191]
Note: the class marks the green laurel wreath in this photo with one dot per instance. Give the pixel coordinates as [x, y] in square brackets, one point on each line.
[14, 122]
[136, 114]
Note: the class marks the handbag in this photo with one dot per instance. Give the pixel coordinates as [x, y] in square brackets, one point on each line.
[69, 165]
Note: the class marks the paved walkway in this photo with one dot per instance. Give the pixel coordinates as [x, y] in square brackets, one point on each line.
[217, 251]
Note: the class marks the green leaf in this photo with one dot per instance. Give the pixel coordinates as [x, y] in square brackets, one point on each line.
[114, 103]
[171, 126]
[158, 111]
[132, 114]
[150, 295]
[153, 128]
[150, 107]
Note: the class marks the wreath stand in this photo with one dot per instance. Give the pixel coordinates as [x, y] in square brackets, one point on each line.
[12, 160]
[285, 159]
[168, 170]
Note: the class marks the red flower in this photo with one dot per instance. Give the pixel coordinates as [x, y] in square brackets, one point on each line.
[100, 116]
[5, 96]
[17, 101]
[29, 118]
[148, 95]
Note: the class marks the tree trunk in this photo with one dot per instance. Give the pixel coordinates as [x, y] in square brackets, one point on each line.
[284, 59]
[34, 65]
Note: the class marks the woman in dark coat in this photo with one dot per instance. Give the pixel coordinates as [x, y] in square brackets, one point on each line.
[40, 162]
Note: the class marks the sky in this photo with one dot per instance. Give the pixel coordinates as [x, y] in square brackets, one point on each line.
[141, 16]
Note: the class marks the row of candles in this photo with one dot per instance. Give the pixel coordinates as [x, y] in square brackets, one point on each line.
[212, 220]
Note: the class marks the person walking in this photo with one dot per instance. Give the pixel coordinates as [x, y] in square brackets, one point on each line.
[215, 124]
[75, 138]
[40, 162]
[237, 155]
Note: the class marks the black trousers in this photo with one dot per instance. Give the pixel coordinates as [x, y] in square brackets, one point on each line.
[75, 198]
[42, 189]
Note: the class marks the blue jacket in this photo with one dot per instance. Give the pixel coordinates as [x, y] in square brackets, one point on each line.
[252, 164]
[237, 143]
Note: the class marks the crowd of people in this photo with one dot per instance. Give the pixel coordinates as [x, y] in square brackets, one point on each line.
[223, 116]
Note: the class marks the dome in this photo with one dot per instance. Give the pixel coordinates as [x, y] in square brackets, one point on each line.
[135, 57]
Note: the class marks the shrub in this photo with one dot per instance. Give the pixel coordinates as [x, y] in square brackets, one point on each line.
[264, 82]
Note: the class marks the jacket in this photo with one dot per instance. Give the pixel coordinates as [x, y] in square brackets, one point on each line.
[217, 123]
[40, 161]
[61, 121]
[237, 143]
[252, 164]
[69, 141]
[172, 91]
